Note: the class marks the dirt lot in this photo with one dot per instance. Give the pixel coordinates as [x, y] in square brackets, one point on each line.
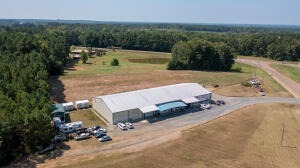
[249, 137]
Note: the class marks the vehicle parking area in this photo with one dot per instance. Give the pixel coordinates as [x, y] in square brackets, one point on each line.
[124, 132]
[152, 131]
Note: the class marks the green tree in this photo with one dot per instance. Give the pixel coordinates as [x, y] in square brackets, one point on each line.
[201, 55]
[114, 62]
[84, 56]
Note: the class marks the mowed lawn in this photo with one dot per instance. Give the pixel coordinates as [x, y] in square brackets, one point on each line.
[289, 71]
[88, 118]
[249, 137]
[141, 70]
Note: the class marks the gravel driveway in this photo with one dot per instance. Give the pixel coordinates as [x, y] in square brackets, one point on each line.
[292, 86]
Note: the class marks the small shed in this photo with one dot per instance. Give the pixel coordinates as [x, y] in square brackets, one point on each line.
[82, 104]
[68, 106]
[58, 111]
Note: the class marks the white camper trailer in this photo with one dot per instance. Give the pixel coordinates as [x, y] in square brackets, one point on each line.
[82, 104]
[68, 106]
[70, 127]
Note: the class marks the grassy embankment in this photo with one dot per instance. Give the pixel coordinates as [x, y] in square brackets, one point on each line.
[289, 71]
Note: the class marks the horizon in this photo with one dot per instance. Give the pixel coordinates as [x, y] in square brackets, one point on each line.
[256, 12]
[149, 22]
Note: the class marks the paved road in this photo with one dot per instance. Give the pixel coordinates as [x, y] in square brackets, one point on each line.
[292, 86]
[163, 129]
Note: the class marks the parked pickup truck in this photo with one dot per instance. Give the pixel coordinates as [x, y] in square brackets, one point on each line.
[82, 136]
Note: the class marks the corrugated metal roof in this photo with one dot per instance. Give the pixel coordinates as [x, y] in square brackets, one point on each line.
[146, 97]
[190, 100]
[148, 109]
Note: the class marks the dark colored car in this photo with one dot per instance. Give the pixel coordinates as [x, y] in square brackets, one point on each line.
[220, 102]
[99, 135]
[96, 127]
[105, 138]
[82, 130]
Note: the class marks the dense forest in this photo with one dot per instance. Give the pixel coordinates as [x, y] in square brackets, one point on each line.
[201, 55]
[30, 53]
[27, 60]
[278, 44]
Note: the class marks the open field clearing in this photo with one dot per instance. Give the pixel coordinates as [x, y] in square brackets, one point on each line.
[289, 71]
[249, 137]
[84, 81]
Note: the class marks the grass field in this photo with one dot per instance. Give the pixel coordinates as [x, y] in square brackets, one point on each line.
[249, 137]
[101, 65]
[289, 71]
[140, 70]
[265, 59]
[255, 58]
[88, 118]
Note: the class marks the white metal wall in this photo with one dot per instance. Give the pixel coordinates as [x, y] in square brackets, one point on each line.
[125, 116]
[101, 108]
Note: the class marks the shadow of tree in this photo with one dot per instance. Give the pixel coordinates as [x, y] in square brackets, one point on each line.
[57, 89]
[34, 160]
[71, 64]
[56, 85]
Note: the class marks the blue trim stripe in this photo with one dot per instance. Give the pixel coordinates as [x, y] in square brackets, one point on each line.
[170, 105]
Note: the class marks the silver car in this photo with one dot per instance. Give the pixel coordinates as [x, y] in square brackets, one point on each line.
[122, 126]
[129, 125]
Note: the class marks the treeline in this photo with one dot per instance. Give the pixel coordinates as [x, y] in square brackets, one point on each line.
[264, 42]
[278, 46]
[201, 55]
[227, 28]
[26, 61]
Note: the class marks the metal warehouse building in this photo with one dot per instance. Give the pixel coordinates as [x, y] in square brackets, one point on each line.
[141, 104]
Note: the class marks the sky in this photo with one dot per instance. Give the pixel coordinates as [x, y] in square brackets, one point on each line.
[280, 12]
